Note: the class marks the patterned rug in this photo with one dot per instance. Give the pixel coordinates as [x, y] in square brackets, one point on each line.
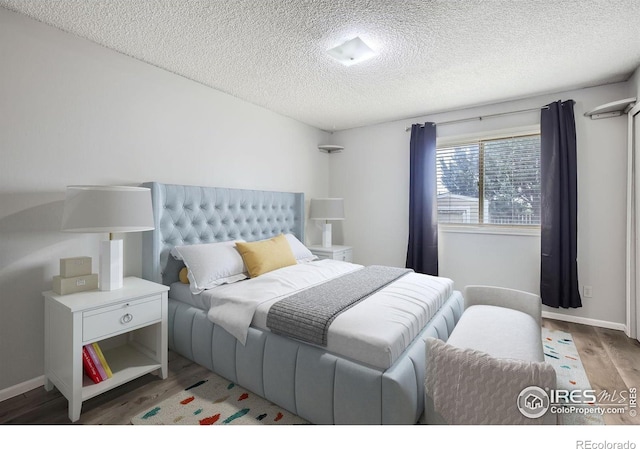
[215, 400]
[560, 351]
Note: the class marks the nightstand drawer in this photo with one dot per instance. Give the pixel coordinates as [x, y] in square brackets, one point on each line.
[345, 255]
[336, 252]
[112, 320]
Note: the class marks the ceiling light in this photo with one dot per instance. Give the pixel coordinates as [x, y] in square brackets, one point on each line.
[351, 52]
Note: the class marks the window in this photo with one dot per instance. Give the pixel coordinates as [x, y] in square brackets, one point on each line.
[492, 181]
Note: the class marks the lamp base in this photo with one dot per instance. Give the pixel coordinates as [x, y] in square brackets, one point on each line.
[111, 265]
[326, 235]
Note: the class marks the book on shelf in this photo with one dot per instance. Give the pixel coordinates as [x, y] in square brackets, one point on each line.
[103, 361]
[89, 367]
[96, 361]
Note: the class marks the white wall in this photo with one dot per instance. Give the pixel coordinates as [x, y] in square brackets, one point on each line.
[372, 175]
[73, 112]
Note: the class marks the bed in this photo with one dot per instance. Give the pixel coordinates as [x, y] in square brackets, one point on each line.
[343, 382]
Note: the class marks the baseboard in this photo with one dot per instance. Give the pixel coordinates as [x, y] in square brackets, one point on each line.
[19, 389]
[587, 321]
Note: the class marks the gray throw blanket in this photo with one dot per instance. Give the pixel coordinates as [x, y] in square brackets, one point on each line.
[470, 387]
[306, 315]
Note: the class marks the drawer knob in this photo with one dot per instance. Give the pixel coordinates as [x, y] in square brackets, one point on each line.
[126, 318]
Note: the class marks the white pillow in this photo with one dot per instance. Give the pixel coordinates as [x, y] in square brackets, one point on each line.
[211, 264]
[300, 252]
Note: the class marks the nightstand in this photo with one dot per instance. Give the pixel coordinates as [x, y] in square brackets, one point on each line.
[129, 323]
[335, 252]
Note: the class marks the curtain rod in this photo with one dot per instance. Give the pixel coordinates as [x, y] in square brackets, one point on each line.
[482, 117]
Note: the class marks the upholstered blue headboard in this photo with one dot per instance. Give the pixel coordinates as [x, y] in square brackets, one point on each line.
[187, 215]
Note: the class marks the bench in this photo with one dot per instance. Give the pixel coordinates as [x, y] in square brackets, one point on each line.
[483, 372]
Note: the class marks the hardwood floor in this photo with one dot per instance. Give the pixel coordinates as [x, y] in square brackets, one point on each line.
[611, 360]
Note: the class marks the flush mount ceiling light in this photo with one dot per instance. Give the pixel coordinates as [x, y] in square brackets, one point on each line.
[351, 52]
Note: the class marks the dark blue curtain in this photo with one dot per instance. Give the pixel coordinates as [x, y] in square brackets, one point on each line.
[422, 251]
[559, 207]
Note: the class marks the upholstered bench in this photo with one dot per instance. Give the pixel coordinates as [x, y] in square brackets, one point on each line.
[492, 355]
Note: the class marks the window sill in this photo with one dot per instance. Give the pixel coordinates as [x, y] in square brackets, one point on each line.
[530, 231]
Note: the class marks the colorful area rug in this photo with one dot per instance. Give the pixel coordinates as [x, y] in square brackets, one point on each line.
[215, 400]
[560, 351]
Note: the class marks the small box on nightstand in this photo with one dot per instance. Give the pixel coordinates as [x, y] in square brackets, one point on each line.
[75, 266]
[64, 286]
[75, 276]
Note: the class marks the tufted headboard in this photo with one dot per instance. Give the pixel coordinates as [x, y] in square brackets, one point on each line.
[187, 215]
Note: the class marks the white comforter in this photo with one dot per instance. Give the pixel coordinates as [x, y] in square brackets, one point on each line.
[374, 332]
[233, 306]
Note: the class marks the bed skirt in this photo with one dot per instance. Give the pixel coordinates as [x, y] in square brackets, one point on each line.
[318, 386]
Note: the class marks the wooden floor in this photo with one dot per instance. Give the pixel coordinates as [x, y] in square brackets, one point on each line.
[611, 360]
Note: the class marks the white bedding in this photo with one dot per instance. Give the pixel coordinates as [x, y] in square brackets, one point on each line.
[374, 332]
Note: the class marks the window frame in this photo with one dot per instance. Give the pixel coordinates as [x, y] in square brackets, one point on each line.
[488, 228]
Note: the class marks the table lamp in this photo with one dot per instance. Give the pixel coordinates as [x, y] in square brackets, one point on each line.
[326, 209]
[108, 209]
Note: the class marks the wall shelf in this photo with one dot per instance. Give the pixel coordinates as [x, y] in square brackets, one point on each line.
[613, 109]
[330, 148]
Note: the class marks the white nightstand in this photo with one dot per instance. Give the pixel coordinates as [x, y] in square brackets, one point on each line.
[335, 252]
[130, 323]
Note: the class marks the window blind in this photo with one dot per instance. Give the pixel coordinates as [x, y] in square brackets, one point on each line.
[493, 181]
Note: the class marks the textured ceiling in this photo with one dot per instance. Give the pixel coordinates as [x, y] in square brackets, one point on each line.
[433, 55]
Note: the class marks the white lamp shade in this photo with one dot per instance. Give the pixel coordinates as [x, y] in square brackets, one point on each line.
[107, 209]
[326, 209]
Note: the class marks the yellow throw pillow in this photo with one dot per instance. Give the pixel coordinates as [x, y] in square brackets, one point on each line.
[266, 255]
[184, 275]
